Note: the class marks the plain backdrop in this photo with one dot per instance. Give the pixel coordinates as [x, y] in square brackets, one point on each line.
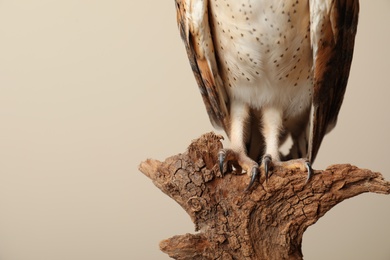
[89, 89]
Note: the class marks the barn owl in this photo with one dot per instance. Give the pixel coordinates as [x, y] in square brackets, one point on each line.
[268, 70]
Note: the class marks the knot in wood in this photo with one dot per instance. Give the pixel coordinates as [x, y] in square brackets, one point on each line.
[196, 203]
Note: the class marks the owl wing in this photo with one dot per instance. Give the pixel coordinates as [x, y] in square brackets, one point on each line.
[193, 23]
[333, 25]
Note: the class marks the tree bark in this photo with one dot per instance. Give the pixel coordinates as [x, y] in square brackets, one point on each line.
[267, 222]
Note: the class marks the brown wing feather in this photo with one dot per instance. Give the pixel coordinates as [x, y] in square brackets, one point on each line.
[331, 70]
[215, 101]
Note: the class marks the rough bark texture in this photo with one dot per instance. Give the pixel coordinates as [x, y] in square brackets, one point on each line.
[266, 223]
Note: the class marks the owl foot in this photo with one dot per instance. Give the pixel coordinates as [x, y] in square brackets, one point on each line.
[240, 161]
[301, 164]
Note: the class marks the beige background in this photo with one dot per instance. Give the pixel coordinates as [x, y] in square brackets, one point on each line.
[89, 89]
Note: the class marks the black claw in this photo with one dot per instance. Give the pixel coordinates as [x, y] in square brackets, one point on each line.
[266, 160]
[221, 159]
[309, 171]
[255, 173]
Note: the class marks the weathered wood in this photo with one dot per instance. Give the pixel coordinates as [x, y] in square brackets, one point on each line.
[266, 223]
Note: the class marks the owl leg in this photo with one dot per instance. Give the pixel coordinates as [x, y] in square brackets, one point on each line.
[272, 122]
[272, 125]
[237, 154]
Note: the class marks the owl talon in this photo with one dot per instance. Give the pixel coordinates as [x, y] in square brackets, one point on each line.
[240, 161]
[309, 172]
[221, 160]
[267, 159]
[255, 172]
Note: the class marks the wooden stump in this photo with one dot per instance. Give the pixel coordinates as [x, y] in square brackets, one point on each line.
[266, 223]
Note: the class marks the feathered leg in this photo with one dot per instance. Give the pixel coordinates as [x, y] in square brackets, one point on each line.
[272, 123]
[237, 154]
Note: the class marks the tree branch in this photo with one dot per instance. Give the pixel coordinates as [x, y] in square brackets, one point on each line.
[266, 223]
